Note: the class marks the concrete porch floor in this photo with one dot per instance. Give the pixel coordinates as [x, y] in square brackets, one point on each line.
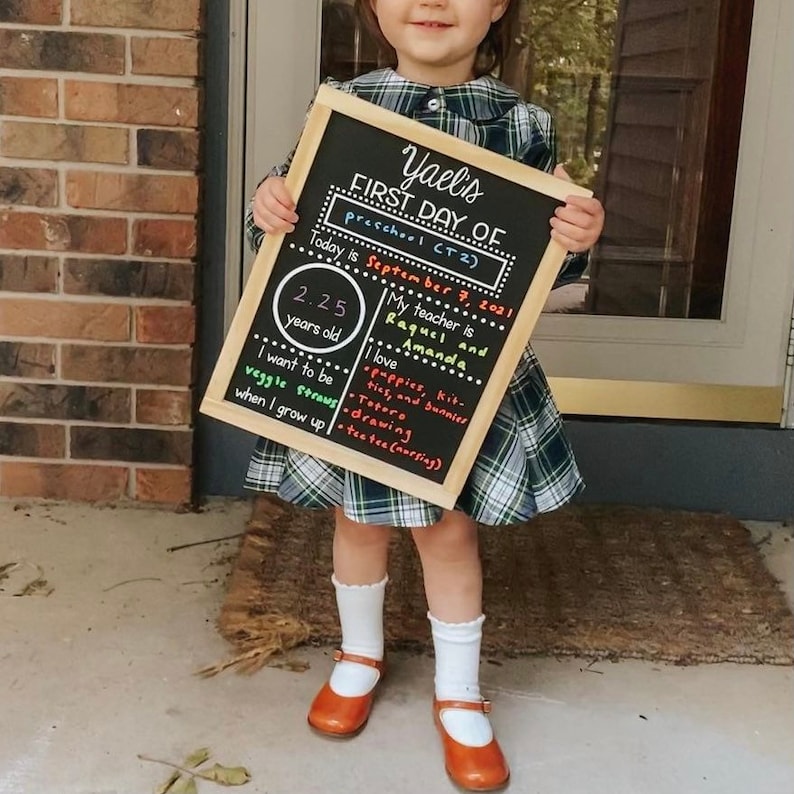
[101, 670]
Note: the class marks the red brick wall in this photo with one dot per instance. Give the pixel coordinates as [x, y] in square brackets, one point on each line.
[100, 108]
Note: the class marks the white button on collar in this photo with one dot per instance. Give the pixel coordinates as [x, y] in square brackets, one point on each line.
[433, 104]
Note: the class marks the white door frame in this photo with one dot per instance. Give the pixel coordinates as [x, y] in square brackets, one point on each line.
[269, 92]
[732, 369]
[788, 418]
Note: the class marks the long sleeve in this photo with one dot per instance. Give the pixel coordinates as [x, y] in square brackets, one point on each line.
[541, 153]
[253, 233]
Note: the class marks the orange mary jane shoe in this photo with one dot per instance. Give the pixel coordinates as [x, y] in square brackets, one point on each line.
[471, 768]
[343, 717]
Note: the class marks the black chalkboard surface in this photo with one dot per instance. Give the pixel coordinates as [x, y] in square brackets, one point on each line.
[382, 333]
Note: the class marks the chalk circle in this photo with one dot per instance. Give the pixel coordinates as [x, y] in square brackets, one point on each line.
[324, 279]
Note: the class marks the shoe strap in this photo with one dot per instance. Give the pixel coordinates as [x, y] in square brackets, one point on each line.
[341, 656]
[483, 705]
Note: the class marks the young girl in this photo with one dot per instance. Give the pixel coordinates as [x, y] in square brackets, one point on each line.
[442, 53]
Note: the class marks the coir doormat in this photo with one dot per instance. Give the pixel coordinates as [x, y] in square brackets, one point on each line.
[592, 581]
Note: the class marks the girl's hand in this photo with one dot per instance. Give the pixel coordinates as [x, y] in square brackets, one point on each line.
[578, 224]
[274, 209]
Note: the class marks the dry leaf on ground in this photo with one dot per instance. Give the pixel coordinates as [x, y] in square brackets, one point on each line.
[197, 757]
[185, 785]
[183, 779]
[226, 775]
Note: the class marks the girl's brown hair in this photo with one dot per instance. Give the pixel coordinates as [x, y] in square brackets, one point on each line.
[491, 54]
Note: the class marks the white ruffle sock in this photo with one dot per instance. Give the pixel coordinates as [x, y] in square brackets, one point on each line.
[457, 647]
[361, 618]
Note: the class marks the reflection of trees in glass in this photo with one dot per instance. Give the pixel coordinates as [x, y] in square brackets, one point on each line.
[561, 58]
[346, 50]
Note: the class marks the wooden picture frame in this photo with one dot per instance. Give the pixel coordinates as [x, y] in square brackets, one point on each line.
[437, 241]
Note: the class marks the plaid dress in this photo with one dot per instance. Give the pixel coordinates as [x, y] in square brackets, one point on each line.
[525, 464]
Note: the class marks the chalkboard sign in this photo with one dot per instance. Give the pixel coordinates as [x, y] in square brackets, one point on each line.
[382, 333]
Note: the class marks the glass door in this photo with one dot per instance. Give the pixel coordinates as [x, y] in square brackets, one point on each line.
[677, 116]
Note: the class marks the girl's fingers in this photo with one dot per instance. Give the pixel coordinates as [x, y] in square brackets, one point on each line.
[578, 224]
[273, 208]
[589, 204]
[277, 194]
[580, 207]
[271, 222]
[270, 206]
[575, 215]
[573, 236]
[278, 227]
[568, 243]
[573, 239]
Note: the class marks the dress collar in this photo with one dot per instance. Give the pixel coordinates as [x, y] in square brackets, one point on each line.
[481, 99]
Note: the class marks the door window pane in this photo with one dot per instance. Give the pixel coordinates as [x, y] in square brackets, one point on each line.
[647, 97]
[346, 51]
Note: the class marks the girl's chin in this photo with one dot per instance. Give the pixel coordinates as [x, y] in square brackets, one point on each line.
[433, 60]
